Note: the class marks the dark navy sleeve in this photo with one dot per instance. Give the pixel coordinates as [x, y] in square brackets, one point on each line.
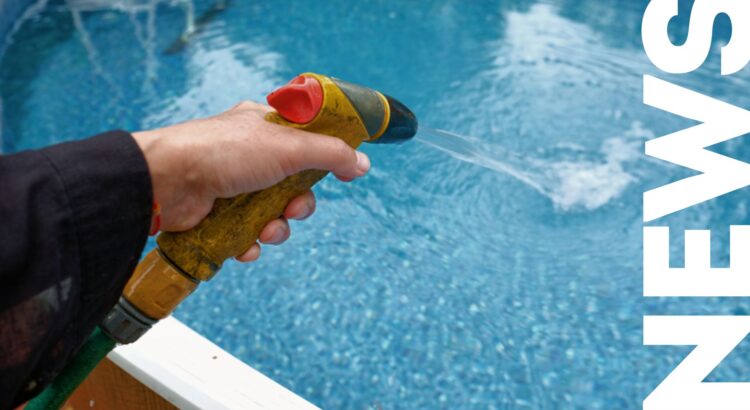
[74, 219]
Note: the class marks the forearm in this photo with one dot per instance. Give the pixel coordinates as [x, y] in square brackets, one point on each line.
[74, 221]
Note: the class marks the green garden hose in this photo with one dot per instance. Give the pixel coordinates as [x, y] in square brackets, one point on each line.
[92, 352]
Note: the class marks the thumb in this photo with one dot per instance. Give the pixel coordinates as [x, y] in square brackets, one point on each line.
[315, 151]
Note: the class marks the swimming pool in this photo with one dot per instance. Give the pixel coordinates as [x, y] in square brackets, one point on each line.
[501, 271]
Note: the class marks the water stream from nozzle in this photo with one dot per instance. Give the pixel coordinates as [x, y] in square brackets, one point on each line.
[571, 177]
[474, 151]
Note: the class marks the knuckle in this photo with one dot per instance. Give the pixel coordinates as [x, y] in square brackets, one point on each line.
[244, 105]
[342, 150]
[297, 149]
[247, 104]
[296, 152]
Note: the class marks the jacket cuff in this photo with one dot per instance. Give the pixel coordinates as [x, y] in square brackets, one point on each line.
[107, 181]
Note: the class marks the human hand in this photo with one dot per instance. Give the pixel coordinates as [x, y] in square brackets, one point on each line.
[238, 151]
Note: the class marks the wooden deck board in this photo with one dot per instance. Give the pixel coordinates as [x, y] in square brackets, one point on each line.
[109, 387]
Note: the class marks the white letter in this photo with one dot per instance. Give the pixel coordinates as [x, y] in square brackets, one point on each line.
[697, 278]
[714, 337]
[688, 57]
[721, 122]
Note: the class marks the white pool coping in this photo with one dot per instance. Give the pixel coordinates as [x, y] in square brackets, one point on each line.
[191, 372]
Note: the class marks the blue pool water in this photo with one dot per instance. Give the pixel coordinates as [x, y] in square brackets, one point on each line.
[500, 268]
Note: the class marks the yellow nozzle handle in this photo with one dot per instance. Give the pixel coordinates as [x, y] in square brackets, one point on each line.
[234, 224]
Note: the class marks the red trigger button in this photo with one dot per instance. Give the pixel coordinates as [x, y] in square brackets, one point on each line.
[298, 101]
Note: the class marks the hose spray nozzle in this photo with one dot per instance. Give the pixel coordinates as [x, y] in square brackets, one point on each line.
[385, 119]
[182, 260]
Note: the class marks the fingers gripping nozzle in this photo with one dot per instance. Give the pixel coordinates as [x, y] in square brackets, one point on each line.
[310, 102]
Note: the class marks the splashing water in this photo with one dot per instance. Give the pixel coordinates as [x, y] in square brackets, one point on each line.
[571, 176]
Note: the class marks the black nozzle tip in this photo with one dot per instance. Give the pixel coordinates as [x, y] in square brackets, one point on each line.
[402, 125]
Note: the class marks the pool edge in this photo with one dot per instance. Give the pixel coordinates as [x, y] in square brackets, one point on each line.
[191, 372]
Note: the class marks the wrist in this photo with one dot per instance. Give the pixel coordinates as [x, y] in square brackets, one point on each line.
[164, 164]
